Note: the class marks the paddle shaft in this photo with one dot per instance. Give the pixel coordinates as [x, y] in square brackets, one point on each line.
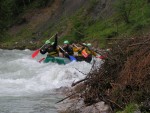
[75, 45]
[38, 50]
[62, 49]
[48, 39]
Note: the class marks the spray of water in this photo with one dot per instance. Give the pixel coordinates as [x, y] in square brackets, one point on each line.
[21, 75]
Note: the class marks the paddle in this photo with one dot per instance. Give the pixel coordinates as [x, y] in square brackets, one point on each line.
[41, 60]
[72, 58]
[38, 50]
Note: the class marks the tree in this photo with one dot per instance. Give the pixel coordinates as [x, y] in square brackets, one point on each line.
[124, 8]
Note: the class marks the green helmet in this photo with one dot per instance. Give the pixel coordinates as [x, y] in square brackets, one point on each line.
[66, 42]
[89, 44]
[47, 42]
[52, 43]
[84, 44]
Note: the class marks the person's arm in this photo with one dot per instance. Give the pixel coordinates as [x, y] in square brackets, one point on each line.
[70, 50]
[55, 43]
[93, 53]
[43, 50]
[61, 50]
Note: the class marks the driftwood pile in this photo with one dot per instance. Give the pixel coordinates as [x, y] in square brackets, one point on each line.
[123, 78]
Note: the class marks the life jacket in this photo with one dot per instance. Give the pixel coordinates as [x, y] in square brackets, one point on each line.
[84, 53]
[77, 51]
[53, 53]
[87, 51]
[90, 52]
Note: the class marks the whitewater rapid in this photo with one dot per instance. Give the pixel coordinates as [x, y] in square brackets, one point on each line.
[22, 75]
[27, 86]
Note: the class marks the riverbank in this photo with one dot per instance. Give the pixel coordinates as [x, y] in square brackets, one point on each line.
[121, 80]
[19, 46]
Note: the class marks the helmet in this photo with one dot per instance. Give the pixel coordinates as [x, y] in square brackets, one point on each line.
[89, 44]
[66, 42]
[47, 42]
[84, 44]
[108, 49]
[52, 43]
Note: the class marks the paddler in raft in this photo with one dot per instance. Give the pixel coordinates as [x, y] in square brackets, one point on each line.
[78, 52]
[51, 49]
[68, 50]
[83, 52]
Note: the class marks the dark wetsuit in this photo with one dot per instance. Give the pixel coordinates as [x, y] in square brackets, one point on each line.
[51, 49]
[67, 49]
[89, 58]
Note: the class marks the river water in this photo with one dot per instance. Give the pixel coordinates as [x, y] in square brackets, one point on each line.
[27, 86]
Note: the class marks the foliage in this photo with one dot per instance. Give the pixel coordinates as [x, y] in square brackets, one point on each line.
[124, 8]
[132, 11]
[11, 9]
[130, 108]
[93, 3]
[79, 22]
[131, 16]
[41, 3]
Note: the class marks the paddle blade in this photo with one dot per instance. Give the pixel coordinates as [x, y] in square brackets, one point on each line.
[72, 58]
[35, 53]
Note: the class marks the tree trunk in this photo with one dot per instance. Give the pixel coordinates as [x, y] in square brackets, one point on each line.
[24, 3]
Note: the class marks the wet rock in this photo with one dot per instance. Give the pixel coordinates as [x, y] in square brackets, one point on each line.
[99, 107]
[137, 111]
[70, 105]
[78, 106]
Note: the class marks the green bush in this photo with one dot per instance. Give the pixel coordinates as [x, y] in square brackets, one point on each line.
[41, 3]
[130, 108]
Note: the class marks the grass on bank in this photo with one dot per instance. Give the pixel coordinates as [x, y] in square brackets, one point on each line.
[130, 108]
[84, 28]
[101, 30]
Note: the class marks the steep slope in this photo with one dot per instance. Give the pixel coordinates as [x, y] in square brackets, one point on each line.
[59, 16]
[97, 21]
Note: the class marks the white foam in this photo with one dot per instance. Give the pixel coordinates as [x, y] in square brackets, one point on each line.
[22, 75]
